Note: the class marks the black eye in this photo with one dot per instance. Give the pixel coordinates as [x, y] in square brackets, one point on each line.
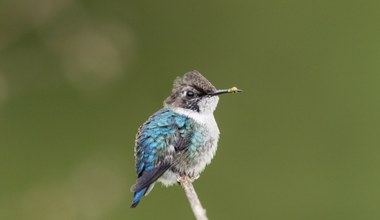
[189, 93]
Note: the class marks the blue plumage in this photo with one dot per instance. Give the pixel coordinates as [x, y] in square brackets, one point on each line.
[137, 197]
[155, 136]
[156, 144]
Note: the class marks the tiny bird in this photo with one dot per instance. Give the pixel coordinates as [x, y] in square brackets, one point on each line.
[181, 138]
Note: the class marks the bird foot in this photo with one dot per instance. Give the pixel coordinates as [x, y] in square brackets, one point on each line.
[185, 178]
[182, 179]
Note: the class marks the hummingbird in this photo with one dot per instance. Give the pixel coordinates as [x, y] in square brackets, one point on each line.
[181, 138]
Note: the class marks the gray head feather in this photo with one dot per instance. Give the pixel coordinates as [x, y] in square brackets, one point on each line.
[193, 79]
[189, 90]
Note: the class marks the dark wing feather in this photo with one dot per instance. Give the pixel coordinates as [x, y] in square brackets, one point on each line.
[149, 177]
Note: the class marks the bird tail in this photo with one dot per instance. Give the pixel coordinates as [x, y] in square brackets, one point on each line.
[137, 196]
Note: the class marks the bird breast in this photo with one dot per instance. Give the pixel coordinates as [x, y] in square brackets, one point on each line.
[204, 149]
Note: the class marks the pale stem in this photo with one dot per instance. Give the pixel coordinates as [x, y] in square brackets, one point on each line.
[195, 204]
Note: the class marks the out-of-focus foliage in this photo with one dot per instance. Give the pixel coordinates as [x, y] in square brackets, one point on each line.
[77, 78]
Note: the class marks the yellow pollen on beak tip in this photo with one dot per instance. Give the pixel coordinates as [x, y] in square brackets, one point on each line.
[233, 90]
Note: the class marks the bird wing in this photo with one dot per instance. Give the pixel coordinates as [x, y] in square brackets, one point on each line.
[156, 143]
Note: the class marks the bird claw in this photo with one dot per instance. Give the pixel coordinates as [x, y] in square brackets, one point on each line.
[187, 178]
[181, 179]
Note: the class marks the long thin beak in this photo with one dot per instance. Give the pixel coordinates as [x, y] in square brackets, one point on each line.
[223, 91]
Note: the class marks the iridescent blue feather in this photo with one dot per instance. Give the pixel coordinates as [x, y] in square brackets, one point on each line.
[156, 142]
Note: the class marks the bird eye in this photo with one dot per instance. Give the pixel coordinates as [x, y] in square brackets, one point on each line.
[189, 93]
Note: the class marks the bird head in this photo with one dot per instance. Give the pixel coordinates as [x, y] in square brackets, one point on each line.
[194, 92]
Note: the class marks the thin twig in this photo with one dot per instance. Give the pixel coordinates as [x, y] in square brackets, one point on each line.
[195, 204]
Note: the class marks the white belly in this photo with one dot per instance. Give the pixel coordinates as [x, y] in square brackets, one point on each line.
[207, 121]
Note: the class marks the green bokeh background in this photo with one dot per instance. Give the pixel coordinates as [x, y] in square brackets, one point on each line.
[78, 77]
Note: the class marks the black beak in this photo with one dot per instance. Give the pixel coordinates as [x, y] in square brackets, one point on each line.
[223, 91]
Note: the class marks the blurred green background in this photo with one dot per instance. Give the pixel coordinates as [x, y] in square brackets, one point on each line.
[77, 78]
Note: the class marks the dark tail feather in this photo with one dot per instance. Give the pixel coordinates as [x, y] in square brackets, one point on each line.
[137, 197]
